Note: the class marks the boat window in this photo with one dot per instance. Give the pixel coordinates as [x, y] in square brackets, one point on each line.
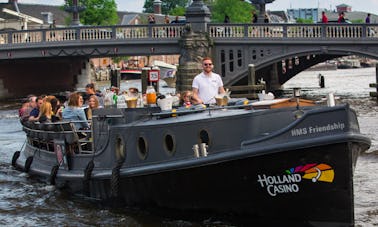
[204, 136]
[142, 148]
[170, 144]
[120, 149]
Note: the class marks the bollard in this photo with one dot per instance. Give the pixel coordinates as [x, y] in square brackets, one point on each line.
[330, 99]
[203, 147]
[196, 150]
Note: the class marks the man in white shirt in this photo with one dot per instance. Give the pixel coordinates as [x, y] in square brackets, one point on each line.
[207, 84]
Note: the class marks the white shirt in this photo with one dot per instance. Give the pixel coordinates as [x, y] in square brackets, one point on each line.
[208, 86]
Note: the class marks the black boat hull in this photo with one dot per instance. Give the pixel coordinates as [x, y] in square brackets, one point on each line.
[286, 165]
[255, 187]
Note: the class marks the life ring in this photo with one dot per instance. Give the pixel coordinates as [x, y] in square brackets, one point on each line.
[53, 173]
[28, 163]
[87, 177]
[16, 155]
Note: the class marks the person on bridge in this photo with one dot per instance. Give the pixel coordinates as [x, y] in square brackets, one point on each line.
[207, 84]
[254, 17]
[341, 18]
[151, 19]
[324, 18]
[367, 20]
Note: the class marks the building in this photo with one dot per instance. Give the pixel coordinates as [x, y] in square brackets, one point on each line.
[343, 8]
[309, 13]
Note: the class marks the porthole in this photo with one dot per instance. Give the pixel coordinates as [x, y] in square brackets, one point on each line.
[170, 144]
[120, 149]
[204, 137]
[142, 148]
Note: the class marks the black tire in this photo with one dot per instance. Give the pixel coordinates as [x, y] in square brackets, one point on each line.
[28, 163]
[53, 173]
[87, 177]
[16, 155]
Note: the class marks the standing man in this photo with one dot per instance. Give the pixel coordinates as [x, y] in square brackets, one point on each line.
[367, 20]
[341, 18]
[207, 84]
[324, 18]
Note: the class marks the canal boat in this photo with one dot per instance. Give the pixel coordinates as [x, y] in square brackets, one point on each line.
[261, 160]
[131, 74]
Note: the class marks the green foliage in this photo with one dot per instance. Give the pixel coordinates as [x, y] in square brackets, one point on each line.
[238, 11]
[97, 12]
[178, 11]
[357, 21]
[305, 21]
[166, 6]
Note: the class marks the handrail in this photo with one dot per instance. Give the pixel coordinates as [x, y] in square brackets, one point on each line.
[293, 31]
[92, 33]
[175, 31]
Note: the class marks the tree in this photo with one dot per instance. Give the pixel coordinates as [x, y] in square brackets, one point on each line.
[238, 11]
[166, 6]
[97, 12]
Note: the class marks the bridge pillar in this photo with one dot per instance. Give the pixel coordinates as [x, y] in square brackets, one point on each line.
[198, 15]
[4, 93]
[194, 47]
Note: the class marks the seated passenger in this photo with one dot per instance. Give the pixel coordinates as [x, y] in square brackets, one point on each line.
[35, 112]
[93, 103]
[186, 98]
[27, 107]
[56, 107]
[46, 114]
[91, 90]
[75, 112]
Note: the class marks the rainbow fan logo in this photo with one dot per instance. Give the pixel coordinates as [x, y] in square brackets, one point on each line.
[288, 183]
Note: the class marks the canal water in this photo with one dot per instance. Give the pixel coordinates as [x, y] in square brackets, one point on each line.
[27, 202]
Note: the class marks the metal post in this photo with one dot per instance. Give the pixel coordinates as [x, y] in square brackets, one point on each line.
[252, 74]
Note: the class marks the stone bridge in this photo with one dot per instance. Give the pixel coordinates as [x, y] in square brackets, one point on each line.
[277, 51]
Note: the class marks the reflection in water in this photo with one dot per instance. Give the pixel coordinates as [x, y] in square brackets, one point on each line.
[27, 202]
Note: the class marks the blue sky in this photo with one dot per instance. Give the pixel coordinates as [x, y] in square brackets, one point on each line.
[357, 5]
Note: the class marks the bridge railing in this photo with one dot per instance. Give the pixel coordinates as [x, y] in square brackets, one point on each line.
[294, 31]
[163, 31]
[174, 31]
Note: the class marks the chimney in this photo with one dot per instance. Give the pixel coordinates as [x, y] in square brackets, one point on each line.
[15, 4]
[157, 7]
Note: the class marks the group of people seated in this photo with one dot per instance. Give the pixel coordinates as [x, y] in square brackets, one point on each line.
[48, 108]
[78, 108]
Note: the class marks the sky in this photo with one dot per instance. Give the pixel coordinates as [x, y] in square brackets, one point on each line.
[370, 6]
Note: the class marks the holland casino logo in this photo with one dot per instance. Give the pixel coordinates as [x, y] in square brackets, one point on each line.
[288, 183]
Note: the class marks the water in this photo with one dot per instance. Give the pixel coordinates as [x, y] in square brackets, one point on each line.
[27, 202]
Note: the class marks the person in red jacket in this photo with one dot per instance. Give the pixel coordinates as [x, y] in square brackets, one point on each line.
[324, 17]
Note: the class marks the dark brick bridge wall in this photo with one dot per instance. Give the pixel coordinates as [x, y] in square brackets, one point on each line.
[39, 76]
